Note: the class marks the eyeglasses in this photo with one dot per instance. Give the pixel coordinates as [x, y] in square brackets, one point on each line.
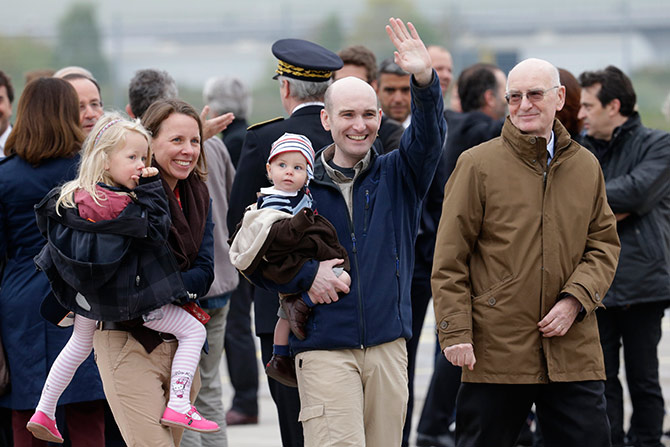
[94, 105]
[515, 98]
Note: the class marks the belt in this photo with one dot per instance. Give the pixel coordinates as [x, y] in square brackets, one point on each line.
[130, 327]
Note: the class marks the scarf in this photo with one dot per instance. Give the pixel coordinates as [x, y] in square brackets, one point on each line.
[188, 220]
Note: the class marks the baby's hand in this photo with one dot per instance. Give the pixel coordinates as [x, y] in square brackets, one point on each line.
[149, 172]
[345, 278]
[342, 276]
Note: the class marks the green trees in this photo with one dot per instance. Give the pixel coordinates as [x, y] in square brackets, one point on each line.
[79, 41]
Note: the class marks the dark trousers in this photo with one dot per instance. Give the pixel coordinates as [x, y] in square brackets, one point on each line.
[421, 295]
[572, 414]
[287, 401]
[440, 403]
[638, 327]
[113, 436]
[240, 351]
[84, 425]
[6, 439]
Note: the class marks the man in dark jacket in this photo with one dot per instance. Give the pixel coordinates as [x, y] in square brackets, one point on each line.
[636, 163]
[352, 367]
[481, 88]
[360, 62]
[304, 73]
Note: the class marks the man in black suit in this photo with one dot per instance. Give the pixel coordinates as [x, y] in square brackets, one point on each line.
[304, 73]
[424, 246]
[481, 88]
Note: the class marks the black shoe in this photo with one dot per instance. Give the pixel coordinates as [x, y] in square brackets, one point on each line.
[525, 438]
[234, 417]
[444, 440]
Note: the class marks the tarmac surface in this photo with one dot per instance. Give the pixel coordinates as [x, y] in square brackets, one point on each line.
[266, 432]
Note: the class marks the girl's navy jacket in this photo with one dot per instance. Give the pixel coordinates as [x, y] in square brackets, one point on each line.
[112, 270]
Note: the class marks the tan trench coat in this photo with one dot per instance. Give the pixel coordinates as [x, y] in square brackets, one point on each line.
[514, 235]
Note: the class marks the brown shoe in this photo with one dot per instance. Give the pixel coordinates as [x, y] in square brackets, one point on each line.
[234, 417]
[282, 369]
[297, 313]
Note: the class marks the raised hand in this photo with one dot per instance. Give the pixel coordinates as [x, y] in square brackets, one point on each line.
[212, 126]
[411, 54]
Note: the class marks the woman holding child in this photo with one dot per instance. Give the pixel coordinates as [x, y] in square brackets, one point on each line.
[135, 365]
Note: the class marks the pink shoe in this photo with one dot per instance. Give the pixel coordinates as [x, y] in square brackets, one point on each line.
[192, 420]
[44, 428]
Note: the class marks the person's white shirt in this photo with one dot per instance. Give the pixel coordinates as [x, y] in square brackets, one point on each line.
[306, 104]
[3, 140]
[550, 147]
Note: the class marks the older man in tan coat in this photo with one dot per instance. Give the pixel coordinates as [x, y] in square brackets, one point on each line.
[526, 250]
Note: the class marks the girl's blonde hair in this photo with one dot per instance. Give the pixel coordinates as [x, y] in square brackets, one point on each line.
[108, 135]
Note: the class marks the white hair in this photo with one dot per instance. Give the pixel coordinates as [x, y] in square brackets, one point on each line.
[227, 94]
[551, 70]
[306, 90]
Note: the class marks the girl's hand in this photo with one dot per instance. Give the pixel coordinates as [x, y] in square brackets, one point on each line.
[149, 172]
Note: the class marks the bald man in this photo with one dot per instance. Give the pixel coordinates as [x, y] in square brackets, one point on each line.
[526, 250]
[443, 65]
[352, 367]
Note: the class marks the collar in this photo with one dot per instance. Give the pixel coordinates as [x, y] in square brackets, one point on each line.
[405, 124]
[533, 149]
[306, 104]
[329, 152]
[3, 140]
[632, 122]
[271, 190]
[550, 145]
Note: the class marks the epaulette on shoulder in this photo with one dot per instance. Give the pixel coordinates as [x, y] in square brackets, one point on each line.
[263, 123]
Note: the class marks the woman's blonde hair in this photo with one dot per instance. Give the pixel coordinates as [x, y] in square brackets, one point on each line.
[108, 135]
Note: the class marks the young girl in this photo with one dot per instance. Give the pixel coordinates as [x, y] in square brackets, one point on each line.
[107, 259]
[279, 246]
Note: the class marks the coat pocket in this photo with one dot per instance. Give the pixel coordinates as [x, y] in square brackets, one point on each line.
[493, 289]
[649, 239]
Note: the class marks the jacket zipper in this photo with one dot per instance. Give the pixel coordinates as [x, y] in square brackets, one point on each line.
[354, 251]
[544, 190]
[367, 207]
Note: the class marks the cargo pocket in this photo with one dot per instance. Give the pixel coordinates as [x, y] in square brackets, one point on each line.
[315, 425]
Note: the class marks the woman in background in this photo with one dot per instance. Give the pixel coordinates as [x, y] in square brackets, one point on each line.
[568, 114]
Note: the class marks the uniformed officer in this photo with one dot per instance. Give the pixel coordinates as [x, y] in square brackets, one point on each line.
[304, 73]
